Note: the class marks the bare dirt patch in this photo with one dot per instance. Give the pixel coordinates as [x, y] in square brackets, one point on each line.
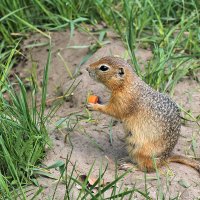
[90, 138]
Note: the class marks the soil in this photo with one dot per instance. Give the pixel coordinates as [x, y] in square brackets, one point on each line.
[90, 138]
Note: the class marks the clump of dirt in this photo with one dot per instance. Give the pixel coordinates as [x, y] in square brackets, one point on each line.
[90, 138]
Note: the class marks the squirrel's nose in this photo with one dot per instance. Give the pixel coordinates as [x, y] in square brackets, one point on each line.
[87, 68]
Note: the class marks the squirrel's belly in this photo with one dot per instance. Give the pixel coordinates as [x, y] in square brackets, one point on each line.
[139, 144]
[142, 130]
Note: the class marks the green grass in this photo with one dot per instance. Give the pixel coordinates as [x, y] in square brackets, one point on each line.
[23, 131]
[170, 29]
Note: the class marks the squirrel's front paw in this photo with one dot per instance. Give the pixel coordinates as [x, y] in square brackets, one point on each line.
[96, 107]
[90, 106]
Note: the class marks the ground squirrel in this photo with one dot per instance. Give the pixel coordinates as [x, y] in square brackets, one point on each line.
[151, 120]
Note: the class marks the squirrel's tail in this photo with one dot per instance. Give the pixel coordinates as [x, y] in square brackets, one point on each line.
[186, 161]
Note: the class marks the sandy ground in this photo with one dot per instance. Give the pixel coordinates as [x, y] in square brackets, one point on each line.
[90, 137]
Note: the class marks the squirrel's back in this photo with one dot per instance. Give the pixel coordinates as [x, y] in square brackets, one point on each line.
[161, 114]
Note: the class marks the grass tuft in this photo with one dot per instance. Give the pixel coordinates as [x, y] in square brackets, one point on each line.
[23, 135]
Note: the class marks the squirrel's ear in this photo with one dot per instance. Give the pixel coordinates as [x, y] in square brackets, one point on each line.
[121, 72]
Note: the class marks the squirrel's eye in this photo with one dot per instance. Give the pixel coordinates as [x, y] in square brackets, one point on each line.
[103, 68]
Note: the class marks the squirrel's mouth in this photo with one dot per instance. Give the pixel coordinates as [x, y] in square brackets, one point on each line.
[92, 75]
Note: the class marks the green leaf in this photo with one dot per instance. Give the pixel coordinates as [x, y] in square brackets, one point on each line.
[58, 163]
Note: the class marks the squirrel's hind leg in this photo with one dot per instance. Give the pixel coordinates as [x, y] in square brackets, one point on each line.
[148, 164]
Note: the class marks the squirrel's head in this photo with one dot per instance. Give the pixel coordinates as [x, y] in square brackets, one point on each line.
[111, 71]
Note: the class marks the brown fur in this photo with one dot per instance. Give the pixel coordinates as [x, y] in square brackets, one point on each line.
[151, 120]
[184, 160]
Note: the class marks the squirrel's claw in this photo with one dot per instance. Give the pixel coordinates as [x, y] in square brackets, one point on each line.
[126, 166]
[90, 106]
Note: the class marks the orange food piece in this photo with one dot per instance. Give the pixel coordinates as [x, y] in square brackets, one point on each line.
[93, 99]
